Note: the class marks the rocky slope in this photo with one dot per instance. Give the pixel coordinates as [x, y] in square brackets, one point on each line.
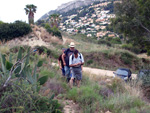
[38, 37]
[69, 6]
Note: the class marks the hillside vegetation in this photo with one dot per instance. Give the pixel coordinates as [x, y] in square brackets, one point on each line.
[47, 90]
[97, 94]
[104, 56]
[97, 53]
[9, 31]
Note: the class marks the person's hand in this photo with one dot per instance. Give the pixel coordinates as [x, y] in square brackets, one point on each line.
[60, 67]
[64, 63]
[79, 63]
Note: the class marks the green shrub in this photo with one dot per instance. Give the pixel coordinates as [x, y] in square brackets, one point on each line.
[15, 49]
[148, 52]
[54, 30]
[47, 72]
[72, 94]
[47, 26]
[109, 38]
[122, 102]
[13, 30]
[19, 97]
[86, 80]
[146, 84]
[40, 22]
[88, 95]
[57, 87]
[116, 40]
[89, 62]
[126, 57]
[49, 52]
[132, 48]
[117, 85]
[104, 42]
[127, 46]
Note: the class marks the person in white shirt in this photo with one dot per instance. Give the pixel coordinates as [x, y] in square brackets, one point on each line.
[76, 60]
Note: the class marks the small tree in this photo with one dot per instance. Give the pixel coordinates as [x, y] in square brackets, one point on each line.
[54, 20]
[30, 10]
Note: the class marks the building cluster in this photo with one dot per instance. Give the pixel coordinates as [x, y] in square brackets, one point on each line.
[92, 24]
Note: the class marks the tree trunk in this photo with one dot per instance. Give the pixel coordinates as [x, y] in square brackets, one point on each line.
[31, 18]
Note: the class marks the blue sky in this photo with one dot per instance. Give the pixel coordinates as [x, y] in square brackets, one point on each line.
[12, 10]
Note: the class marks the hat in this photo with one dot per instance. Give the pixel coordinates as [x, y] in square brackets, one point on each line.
[72, 44]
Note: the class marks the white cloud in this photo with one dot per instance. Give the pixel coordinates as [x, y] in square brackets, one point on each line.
[12, 10]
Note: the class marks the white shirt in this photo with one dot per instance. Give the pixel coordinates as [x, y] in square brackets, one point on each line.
[76, 60]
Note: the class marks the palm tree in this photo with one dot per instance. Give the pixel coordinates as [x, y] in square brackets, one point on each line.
[30, 10]
[54, 20]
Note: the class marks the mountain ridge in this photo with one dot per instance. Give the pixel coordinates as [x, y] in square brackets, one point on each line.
[69, 6]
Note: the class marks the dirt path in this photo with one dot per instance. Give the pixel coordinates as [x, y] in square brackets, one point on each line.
[143, 56]
[98, 72]
[70, 107]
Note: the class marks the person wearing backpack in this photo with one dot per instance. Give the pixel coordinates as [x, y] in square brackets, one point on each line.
[76, 60]
[65, 57]
[60, 62]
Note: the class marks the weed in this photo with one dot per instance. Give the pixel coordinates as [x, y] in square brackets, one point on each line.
[126, 57]
[46, 72]
[55, 86]
[122, 102]
[89, 62]
[4, 49]
[72, 94]
[19, 97]
[104, 42]
[117, 85]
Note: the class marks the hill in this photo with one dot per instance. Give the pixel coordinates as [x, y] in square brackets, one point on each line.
[38, 37]
[97, 93]
[69, 6]
[91, 19]
[97, 55]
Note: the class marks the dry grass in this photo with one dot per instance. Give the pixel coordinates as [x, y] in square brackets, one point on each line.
[95, 77]
[134, 88]
[4, 48]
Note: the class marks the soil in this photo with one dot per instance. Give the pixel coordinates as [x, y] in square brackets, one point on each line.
[70, 107]
[100, 72]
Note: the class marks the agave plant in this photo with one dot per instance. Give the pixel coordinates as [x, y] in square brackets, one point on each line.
[21, 69]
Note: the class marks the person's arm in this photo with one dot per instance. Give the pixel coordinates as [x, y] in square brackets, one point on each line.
[59, 64]
[71, 63]
[63, 59]
[82, 59]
